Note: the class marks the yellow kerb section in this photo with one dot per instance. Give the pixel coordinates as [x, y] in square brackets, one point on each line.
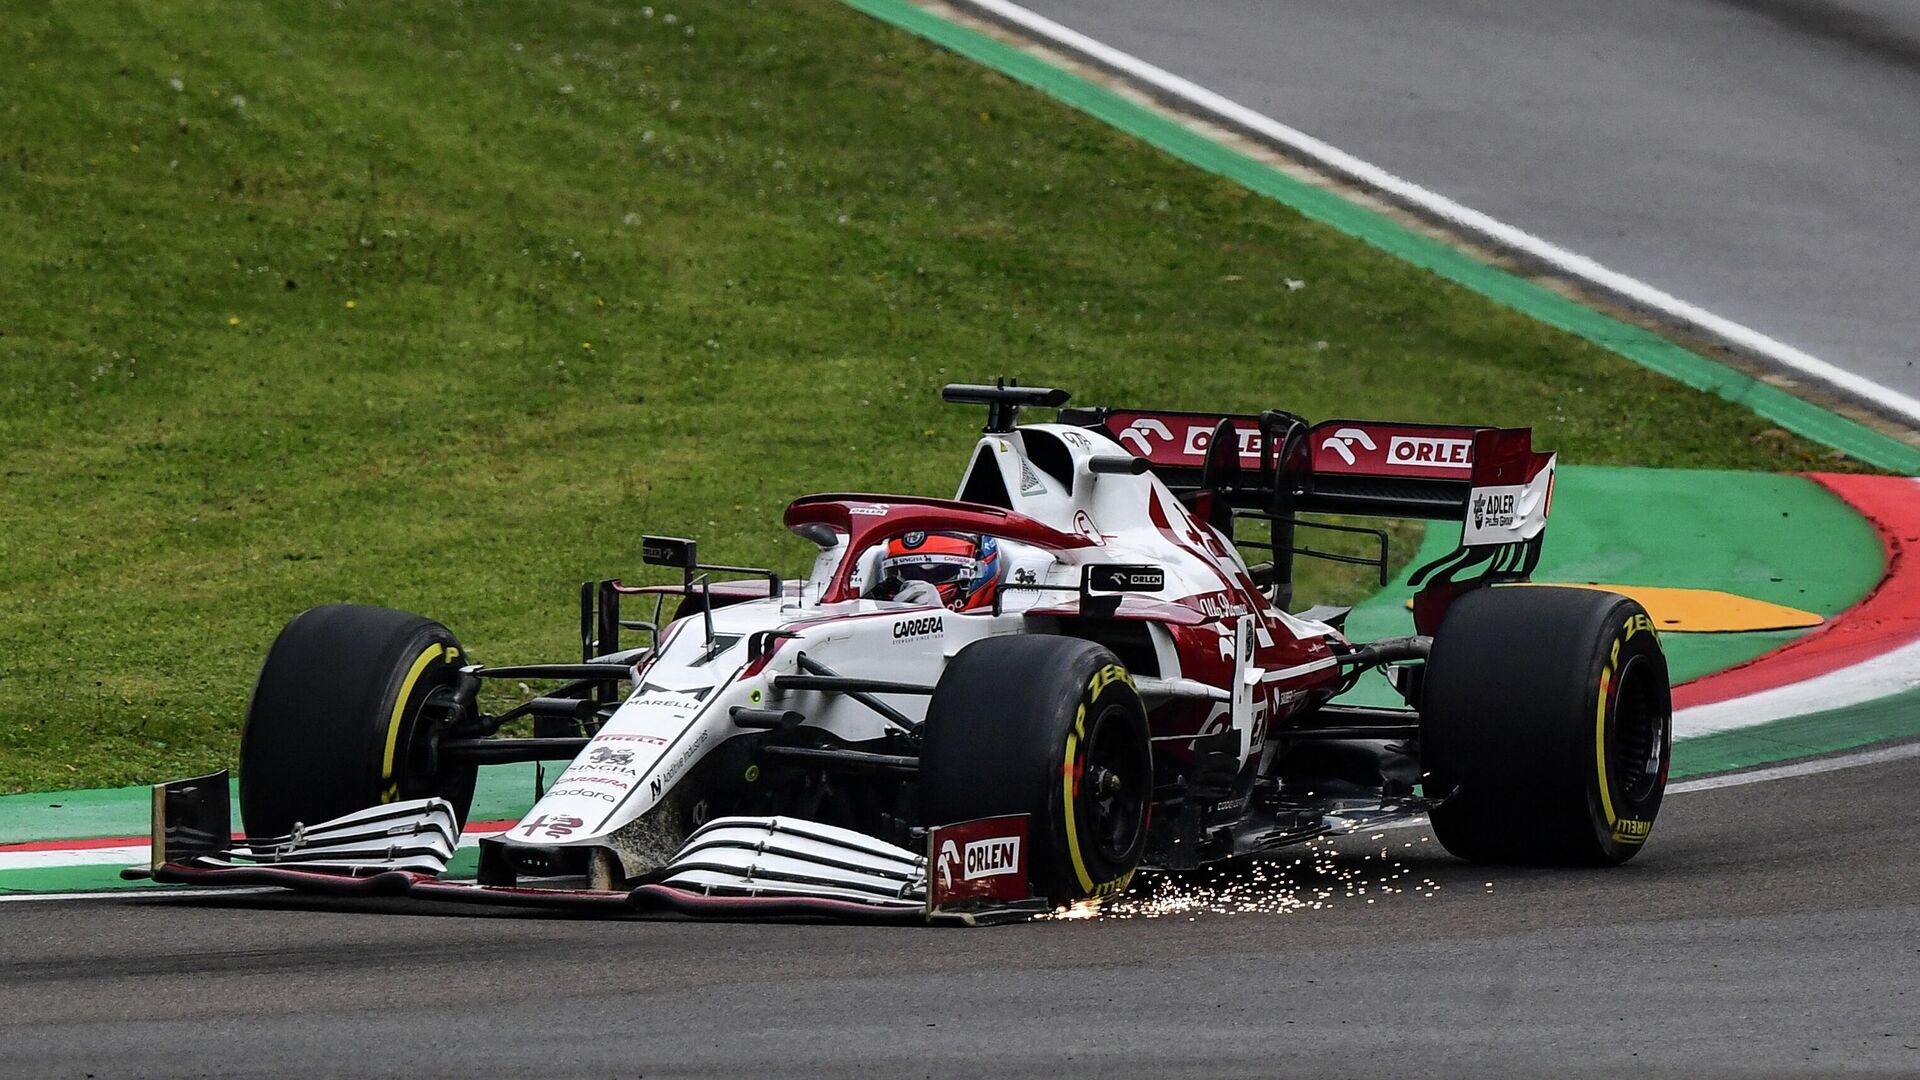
[1707, 611]
[389, 791]
[1699, 611]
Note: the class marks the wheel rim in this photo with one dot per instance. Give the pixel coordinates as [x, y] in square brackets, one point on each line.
[1111, 802]
[424, 774]
[1638, 754]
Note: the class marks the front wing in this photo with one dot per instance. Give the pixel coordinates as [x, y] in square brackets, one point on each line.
[730, 868]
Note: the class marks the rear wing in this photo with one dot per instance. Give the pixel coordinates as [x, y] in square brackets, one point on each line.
[1276, 466]
[1365, 467]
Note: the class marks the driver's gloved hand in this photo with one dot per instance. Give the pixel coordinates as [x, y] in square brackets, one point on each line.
[918, 592]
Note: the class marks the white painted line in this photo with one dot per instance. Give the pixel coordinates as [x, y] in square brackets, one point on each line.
[1804, 768]
[144, 892]
[1366, 173]
[1895, 672]
[105, 856]
[1706, 783]
[1726, 780]
[130, 855]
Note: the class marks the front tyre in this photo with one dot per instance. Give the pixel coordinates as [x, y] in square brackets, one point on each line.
[340, 718]
[1546, 726]
[1053, 728]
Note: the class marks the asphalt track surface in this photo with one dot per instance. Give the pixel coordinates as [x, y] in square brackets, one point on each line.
[1769, 929]
[1754, 157]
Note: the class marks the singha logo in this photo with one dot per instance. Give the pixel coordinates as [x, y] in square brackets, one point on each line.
[604, 756]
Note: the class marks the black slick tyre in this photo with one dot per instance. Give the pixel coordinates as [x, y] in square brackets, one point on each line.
[336, 722]
[1053, 728]
[1546, 726]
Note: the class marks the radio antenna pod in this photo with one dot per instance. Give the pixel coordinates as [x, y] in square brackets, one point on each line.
[1003, 402]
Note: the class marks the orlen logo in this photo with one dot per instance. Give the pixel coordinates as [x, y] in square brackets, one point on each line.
[1342, 442]
[1138, 434]
[1440, 453]
[992, 857]
[1199, 438]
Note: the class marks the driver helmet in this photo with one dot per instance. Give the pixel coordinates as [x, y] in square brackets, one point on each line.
[964, 567]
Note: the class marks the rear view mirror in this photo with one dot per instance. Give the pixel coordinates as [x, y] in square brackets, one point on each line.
[1121, 464]
[667, 551]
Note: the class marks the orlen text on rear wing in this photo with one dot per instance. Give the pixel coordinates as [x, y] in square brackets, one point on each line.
[1276, 465]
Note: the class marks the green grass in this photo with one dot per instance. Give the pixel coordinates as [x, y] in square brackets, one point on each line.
[439, 305]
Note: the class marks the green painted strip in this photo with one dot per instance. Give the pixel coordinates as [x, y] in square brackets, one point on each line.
[1782, 539]
[53, 879]
[503, 792]
[507, 791]
[1642, 346]
[75, 815]
[1895, 717]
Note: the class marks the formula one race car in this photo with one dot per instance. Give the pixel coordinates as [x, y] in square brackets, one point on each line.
[994, 704]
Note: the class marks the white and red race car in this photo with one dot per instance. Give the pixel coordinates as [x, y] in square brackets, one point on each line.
[1135, 694]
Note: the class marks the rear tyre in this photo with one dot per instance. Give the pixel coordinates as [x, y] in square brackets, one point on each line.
[1053, 728]
[1546, 727]
[338, 719]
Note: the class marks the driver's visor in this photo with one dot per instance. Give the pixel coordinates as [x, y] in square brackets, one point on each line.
[930, 567]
